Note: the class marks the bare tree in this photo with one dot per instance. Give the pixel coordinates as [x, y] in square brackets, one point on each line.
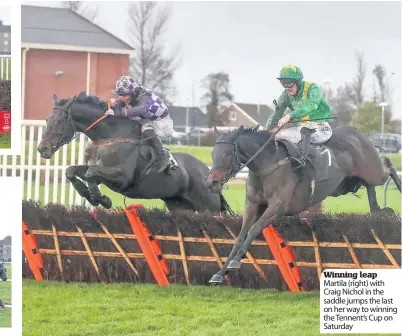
[357, 85]
[380, 73]
[342, 105]
[83, 9]
[148, 21]
[217, 86]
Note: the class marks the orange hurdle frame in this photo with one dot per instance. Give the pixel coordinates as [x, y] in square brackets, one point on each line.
[285, 258]
[155, 261]
[31, 250]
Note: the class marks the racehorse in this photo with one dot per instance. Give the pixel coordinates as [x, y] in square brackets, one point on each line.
[118, 157]
[3, 272]
[277, 187]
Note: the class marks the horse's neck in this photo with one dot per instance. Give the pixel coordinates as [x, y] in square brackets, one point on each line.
[249, 145]
[109, 127]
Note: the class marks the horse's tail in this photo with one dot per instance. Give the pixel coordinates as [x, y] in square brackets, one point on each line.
[225, 208]
[392, 171]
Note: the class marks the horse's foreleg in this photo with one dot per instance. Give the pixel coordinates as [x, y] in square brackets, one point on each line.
[249, 218]
[112, 175]
[79, 171]
[267, 217]
[372, 198]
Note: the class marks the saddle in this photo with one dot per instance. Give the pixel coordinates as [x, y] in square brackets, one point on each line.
[321, 162]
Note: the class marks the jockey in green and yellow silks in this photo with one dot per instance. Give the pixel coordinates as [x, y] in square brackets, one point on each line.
[306, 102]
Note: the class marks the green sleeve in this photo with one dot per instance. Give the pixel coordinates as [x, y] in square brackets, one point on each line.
[311, 104]
[279, 110]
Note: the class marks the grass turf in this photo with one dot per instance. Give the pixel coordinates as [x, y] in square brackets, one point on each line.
[5, 296]
[9, 270]
[5, 140]
[125, 309]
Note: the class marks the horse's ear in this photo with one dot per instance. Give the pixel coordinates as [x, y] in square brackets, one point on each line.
[55, 99]
[216, 130]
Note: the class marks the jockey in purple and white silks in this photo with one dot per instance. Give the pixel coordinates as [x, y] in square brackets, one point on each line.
[139, 103]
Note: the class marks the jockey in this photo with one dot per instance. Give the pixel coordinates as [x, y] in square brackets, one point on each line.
[305, 101]
[139, 103]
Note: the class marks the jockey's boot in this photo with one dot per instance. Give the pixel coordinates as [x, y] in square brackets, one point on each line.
[163, 159]
[306, 148]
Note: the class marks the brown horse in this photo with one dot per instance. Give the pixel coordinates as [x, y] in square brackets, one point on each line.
[276, 187]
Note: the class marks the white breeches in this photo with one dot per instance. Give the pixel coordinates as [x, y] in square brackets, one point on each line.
[322, 132]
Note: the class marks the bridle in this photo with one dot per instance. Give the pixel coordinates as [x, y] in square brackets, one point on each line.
[235, 163]
[236, 166]
[62, 142]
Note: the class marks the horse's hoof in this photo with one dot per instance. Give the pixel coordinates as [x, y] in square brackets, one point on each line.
[216, 280]
[93, 203]
[106, 202]
[234, 265]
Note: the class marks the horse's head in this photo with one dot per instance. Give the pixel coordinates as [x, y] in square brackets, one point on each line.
[59, 128]
[226, 160]
[3, 272]
[70, 116]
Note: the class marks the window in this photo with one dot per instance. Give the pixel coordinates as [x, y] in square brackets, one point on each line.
[5, 34]
[232, 116]
[5, 42]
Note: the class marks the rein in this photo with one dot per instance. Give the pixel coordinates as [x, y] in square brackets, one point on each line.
[99, 119]
[235, 163]
[100, 143]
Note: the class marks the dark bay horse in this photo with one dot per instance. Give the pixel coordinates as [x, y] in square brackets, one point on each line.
[3, 272]
[118, 157]
[276, 189]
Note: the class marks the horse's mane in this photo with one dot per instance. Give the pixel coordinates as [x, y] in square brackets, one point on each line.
[262, 134]
[83, 98]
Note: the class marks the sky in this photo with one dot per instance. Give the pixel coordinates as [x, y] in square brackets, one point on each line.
[251, 41]
[5, 14]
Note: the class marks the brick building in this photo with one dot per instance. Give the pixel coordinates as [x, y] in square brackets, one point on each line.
[64, 53]
[5, 39]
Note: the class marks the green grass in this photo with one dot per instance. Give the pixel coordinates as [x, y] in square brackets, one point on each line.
[5, 296]
[6, 60]
[9, 270]
[52, 308]
[5, 140]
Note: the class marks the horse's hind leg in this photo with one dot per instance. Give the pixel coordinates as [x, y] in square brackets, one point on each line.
[177, 203]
